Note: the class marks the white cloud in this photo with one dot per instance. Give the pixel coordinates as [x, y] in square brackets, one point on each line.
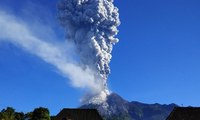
[18, 32]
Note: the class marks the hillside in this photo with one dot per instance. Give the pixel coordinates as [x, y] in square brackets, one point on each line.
[116, 108]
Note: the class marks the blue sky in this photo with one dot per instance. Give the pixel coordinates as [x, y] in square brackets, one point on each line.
[156, 61]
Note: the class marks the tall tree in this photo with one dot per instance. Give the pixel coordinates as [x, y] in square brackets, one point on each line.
[41, 114]
[7, 114]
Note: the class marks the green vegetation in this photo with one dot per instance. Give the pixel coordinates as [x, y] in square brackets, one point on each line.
[37, 114]
[41, 114]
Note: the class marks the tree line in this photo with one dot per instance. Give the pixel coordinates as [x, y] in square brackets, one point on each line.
[37, 114]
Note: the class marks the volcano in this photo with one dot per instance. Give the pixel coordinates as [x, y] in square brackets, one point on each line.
[116, 108]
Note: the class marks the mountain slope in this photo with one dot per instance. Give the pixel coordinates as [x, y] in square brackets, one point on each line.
[116, 108]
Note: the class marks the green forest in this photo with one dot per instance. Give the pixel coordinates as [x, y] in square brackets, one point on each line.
[37, 114]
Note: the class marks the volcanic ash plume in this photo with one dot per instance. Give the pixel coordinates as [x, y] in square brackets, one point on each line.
[91, 25]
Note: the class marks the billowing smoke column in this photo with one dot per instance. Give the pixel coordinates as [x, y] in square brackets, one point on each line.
[91, 25]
